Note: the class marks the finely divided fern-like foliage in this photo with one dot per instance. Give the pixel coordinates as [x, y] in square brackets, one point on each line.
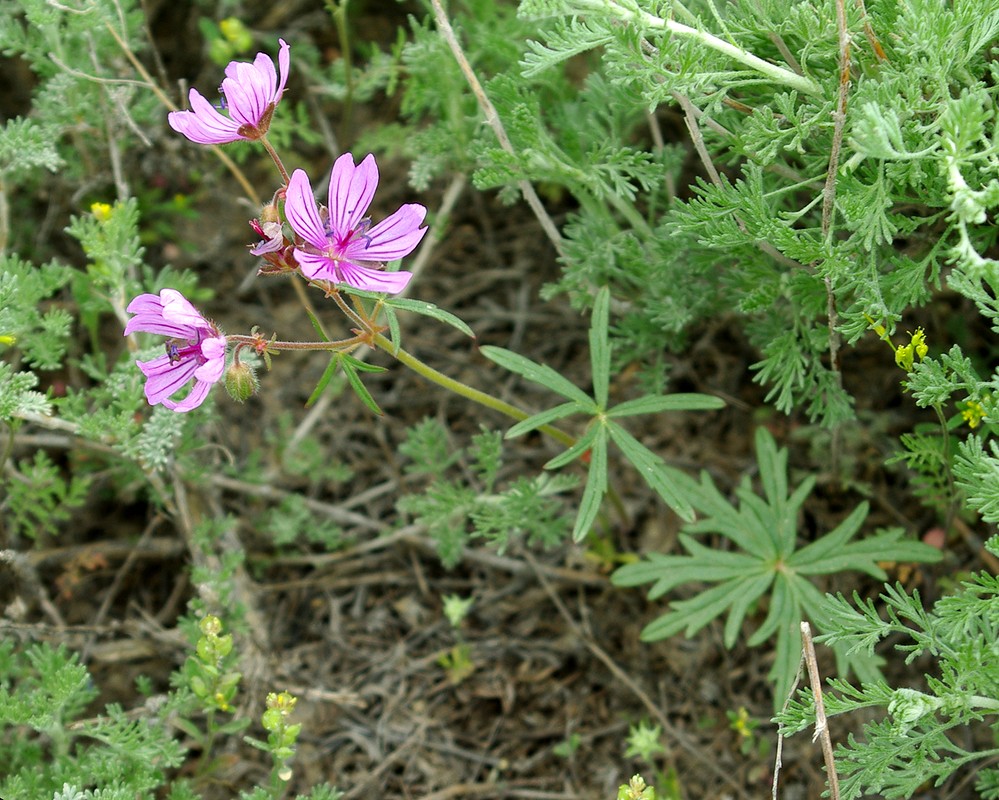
[916, 741]
[457, 512]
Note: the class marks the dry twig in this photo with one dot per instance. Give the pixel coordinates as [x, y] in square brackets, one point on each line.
[489, 110]
[821, 723]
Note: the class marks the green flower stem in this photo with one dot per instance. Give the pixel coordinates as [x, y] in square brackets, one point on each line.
[633, 14]
[487, 400]
[256, 343]
[463, 389]
[275, 158]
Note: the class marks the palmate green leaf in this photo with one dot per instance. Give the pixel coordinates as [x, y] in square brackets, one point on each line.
[596, 486]
[537, 373]
[653, 470]
[773, 467]
[544, 418]
[701, 564]
[818, 553]
[750, 592]
[693, 614]
[764, 530]
[584, 443]
[862, 556]
[600, 347]
[780, 611]
[655, 404]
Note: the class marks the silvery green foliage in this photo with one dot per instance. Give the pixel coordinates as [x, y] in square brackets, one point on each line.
[79, 102]
[25, 146]
[574, 82]
[926, 734]
[456, 512]
[47, 749]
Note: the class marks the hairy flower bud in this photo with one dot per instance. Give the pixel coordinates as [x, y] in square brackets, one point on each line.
[269, 213]
[240, 381]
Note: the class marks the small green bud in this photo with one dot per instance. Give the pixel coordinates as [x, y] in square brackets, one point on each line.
[269, 213]
[210, 625]
[908, 706]
[206, 650]
[240, 381]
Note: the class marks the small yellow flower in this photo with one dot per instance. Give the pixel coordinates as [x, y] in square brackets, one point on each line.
[973, 413]
[221, 703]
[740, 724]
[8, 338]
[905, 355]
[877, 327]
[283, 702]
[101, 211]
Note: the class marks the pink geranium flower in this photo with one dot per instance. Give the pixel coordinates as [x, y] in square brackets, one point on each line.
[249, 93]
[341, 245]
[195, 349]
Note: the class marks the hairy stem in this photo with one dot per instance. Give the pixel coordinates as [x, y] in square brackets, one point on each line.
[463, 389]
[777, 74]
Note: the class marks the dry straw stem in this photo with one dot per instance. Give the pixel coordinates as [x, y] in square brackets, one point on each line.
[237, 173]
[489, 110]
[821, 723]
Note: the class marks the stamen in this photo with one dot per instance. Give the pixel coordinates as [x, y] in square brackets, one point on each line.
[173, 351]
[362, 231]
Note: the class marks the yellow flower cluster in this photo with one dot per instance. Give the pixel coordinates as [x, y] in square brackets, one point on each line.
[905, 355]
[973, 413]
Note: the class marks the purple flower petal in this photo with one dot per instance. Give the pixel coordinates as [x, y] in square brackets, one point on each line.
[273, 238]
[316, 267]
[194, 398]
[302, 211]
[351, 191]
[196, 351]
[163, 377]
[341, 250]
[203, 124]
[250, 90]
[375, 280]
[394, 237]
[177, 308]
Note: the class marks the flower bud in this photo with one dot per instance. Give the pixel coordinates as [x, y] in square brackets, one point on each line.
[101, 211]
[269, 213]
[240, 381]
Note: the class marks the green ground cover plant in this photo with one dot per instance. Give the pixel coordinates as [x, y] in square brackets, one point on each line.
[811, 177]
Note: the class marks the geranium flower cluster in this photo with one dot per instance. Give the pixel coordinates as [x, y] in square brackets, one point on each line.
[330, 245]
